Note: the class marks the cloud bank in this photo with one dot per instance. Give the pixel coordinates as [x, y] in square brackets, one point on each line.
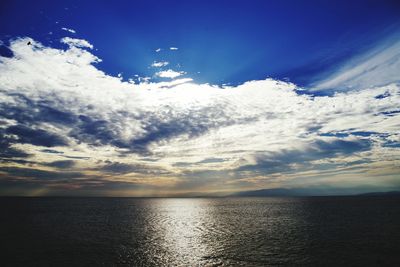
[67, 127]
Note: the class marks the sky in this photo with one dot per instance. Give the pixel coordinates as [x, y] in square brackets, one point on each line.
[191, 98]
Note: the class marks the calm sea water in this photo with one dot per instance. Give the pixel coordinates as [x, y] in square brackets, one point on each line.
[317, 231]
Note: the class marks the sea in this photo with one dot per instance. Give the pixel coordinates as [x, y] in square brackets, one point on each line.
[298, 231]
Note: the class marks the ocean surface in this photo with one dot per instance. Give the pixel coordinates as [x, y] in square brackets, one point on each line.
[310, 231]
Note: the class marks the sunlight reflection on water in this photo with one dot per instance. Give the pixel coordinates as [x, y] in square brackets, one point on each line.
[182, 227]
[215, 232]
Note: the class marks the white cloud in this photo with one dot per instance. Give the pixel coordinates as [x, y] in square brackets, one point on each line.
[169, 74]
[158, 64]
[179, 125]
[378, 67]
[144, 79]
[76, 42]
[68, 30]
[158, 50]
[173, 48]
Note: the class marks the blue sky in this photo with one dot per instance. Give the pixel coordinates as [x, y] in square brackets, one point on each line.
[165, 98]
[219, 41]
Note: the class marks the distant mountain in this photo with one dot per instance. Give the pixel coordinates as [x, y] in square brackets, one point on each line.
[292, 192]
[390, 193]
[274, 192]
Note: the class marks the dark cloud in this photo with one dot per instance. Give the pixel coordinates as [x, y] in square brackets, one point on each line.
[393, 144]
[39, 174]
[384, 95]
[168, 124]
[211, 160]
[61, 164]
[204, 161]
[389, 113]
[51, 151]
[76, 157]
[339, 135]
[354, 133]
[17, 160]
[320, 149]
[340, 147]
[53, 115]
[182, 164]
[36, 137]
[122, 168]
[29, 112]
[94, 131]
[117, 167]
[8, 152]
[29, 115]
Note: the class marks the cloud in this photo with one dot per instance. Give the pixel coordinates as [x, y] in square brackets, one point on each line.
[61, 164]
[38, 137]
[169, 74]
[73, 42]
[124, 168]
[39, 174]
[298, 159]
[173, 48]
[55, 104]
[159, 64]
[68, 30]
[378, 67]
[8, 152]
